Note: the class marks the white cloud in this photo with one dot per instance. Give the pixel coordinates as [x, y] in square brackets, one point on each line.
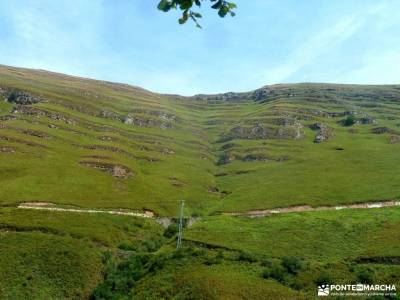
[377, 68]
[323, 42]
[313, 47]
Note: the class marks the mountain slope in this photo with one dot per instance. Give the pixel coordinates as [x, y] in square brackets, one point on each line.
[92, 144]
[76, 141]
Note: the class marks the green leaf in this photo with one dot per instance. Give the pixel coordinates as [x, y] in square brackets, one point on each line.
[223, 11]
[232, 5]
[164, 5]
[185, 4]
[217, 5]
[182, 21]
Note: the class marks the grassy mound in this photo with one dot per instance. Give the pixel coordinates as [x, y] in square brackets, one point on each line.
[40, 266]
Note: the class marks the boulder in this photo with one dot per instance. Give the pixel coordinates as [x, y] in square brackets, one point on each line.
[367, 120]
[325, 133]
[22, 98]
[394, 139]
[382, 130]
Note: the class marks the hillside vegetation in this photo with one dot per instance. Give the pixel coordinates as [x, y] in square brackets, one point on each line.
[81, 143]
[97, 144]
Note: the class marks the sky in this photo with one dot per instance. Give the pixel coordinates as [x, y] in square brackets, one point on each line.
[267, 42]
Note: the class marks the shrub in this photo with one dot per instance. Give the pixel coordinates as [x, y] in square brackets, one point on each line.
[292, 264]
[120, 280]
[127, 246]
[297, 284]
[223, 159]
[366, 275]
[247, 256]
[214, 260]
[349, 121]
[187, 251]
[276, 271]
[171, 230]
[324, 278]
[13, 96]
[157, 262]
[150, 245]
[266, 262]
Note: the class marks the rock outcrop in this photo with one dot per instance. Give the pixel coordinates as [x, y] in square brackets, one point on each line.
[325, 133]
[394, 139]
[23, 98]
[259, 131]
[382, 130]
[116, 170]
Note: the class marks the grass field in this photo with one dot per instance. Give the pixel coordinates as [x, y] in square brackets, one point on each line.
[332, 235]
[219, 155]
[39, 266]
[56, 255]
[84, 143]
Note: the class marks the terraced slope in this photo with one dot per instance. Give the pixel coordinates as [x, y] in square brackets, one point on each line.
[298, 145]
[97, 144]
[87, 145]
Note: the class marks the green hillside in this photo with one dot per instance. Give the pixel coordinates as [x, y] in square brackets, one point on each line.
[87, 144]
[98, 144]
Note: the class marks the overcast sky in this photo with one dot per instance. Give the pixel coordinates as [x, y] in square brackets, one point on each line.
[269, 41]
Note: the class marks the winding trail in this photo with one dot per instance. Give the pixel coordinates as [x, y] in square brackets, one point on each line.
[53, 207]
[252, 214]
[303, 208]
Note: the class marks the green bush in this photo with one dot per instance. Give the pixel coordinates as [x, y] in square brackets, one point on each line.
[127, 246]
[214, 260]
[277, 272]
[120, 280]
[247, 256]
[150, 245]
[266, 262]
[13, 96]
[292, 264]
[171, 230]
[157, 262]
[366, 275]
[297, 284]
[324, 278]
[349, 121]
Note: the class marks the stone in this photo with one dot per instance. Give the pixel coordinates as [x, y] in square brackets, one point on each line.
[22, 98]
[394, 139]
[325, 133]
[382, 130]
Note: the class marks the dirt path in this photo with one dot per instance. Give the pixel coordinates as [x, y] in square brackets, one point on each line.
[53, 207]
[253, 213]
[301, 208]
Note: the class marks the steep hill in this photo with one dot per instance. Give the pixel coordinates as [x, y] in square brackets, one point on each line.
[88, 143]
[84, 145]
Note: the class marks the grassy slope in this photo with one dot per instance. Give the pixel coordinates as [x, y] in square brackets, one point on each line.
[324, 236]
[103, 229]
[315, 174]
[221, 281]
[60, 255]
[179, 162]
[168, 164]
[39, 266]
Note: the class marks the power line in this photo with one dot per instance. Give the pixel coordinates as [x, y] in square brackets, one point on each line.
[179, 242]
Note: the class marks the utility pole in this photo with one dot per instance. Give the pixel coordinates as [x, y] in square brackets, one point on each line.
[180, 233]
